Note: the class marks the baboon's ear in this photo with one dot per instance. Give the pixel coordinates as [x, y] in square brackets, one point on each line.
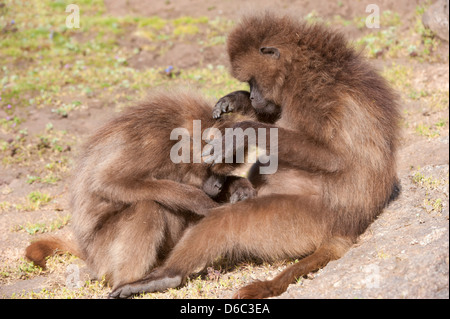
[272, 52]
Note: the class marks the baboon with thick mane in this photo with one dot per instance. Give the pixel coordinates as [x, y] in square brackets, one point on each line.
[130, 203]
[338, 134]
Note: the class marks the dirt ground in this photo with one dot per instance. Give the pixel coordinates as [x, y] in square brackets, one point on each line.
[404, 253]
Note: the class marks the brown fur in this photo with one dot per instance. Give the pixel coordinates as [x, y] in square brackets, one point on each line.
[337, 142]
[130, 202]
[46, 246]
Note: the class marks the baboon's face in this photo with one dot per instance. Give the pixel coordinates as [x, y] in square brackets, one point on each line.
[259, 102]
[260, 64]
[213, 185]
[262, 68]
[263, 48]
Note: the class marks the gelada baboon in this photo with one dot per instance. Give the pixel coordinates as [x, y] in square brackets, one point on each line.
[130, 203]
[337, 139]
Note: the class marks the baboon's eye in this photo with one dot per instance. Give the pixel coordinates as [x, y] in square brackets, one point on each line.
[272, 52]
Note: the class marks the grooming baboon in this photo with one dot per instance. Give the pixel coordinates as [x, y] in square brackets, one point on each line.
[337, 130]
[130, 203]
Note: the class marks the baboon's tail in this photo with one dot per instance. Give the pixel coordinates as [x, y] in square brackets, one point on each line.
[315, 261]
[39, 250]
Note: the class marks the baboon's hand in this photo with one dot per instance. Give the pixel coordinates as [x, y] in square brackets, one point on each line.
[242, 194]
[234, 101]
[241, 189]
[151, 283]
[224, 105]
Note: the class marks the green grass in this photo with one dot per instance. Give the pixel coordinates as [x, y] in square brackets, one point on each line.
[55, 60]
[431, 131]
[433, 205]
[433, 100]
[392, 41]
[427, 182]
[21, 269]
[33, 201]
[431, 187]
[44, 226]
[38, 198]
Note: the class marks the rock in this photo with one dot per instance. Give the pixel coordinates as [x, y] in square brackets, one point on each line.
[436, 19]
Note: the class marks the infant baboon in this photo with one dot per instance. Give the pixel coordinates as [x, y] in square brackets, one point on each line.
[337, 122]
[130, 203]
